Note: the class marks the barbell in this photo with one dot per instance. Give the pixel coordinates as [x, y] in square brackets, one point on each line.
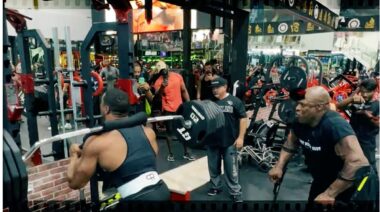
[194, 121]
[198, 119]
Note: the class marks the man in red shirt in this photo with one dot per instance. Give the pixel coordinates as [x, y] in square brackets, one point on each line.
[171, 87]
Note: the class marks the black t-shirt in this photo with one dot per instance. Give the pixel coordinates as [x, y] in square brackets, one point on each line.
[206, 91]
[364, 129]
[318, 146]
[233, 110]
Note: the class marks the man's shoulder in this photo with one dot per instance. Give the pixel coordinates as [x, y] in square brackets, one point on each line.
[176, 75]
[375, 103]
[332, 116]
[375, 107]
[158, 80]
[333, 121]
[98, 140]
[234, 99]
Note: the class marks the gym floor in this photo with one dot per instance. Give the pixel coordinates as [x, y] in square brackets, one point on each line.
[255, 184]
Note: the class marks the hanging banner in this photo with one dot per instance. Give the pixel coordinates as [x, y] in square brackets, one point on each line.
[308, 10]
[313, 10]
[360, 24]
[313, 17]
[283, 28]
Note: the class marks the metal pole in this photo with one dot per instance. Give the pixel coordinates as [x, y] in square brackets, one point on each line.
[239, 46]
[186, 35]
[58, 70]
[71, 69]
[6, 72]
[22, 43]
[227, 42]
[124, 54]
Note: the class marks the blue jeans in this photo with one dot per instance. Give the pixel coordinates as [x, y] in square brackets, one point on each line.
[231, 168]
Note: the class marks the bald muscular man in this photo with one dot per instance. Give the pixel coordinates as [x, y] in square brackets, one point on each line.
[127, 156]
[330, 146]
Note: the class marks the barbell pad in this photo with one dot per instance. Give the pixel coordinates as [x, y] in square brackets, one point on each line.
[19, 164]
[85, 137]
[130, 121]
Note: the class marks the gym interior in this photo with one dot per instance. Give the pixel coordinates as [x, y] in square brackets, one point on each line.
[213, 105]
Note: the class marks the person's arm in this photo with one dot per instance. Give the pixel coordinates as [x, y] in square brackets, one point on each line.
[287, 151]
[372, 114]
[349, 150]
[103, 73]
[242, 129]
[149, 95]
[372, 118]
[117, 72]
[82, 164]
[159, 86]
[289, 148]
[199, 90]
[350, 100]
[148, 92]
[184, 93]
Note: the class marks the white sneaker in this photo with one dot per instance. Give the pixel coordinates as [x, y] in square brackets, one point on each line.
[59, 127]
[68, 126]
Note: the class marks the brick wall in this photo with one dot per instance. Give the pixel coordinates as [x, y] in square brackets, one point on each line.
[48, 184]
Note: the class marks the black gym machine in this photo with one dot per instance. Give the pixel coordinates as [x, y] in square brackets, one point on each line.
[281, 77]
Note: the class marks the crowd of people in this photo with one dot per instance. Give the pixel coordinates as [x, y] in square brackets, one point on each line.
[158, 90]
[165, 91]
[340, 148]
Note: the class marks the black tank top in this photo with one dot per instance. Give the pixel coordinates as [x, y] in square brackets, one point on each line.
[140, 157]
[206, 91]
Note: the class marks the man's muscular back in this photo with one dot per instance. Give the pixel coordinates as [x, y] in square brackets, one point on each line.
[111, 148]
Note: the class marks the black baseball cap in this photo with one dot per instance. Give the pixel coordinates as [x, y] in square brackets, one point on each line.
[217, 82]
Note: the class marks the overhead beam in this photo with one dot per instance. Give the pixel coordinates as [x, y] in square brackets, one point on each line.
[213, 7]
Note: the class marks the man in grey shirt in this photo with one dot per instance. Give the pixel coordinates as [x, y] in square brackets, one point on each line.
[109, 73]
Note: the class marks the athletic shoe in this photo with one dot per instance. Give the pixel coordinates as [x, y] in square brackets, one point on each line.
[68, 126]
[213, 191]
[237, 198]
[189, 157]
[170, 158]
[59, 127]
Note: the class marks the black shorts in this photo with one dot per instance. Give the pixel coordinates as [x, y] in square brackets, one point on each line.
[169, 124]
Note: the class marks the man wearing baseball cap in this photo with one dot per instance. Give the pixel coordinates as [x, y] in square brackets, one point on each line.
[172, 90]
[224, 143]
